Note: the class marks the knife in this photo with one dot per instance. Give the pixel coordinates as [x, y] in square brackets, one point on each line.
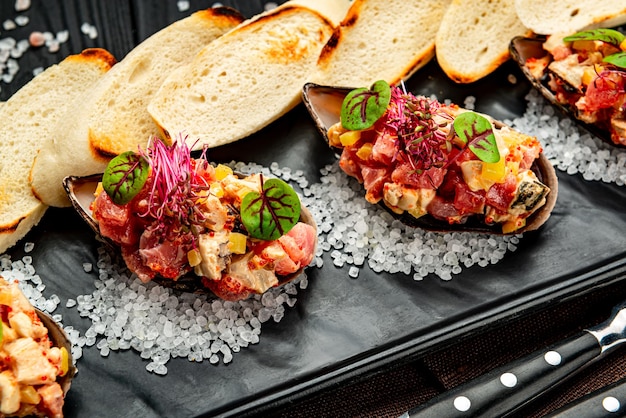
[609, 401]
[506, 389]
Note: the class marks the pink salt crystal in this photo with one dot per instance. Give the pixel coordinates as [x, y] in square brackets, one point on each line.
[36, 39]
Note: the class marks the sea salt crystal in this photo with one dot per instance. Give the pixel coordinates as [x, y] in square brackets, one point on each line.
[182, 5]
[22, 5]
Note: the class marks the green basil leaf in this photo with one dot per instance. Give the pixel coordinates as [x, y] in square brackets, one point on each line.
[272, 213]
[362, 107]
[476, 132]
[610, 36]
[125, 176]
[618, 59]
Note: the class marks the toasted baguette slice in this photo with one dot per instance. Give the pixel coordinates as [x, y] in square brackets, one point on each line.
[547, 17]
[473, 38]
[333, 10]
[112, 117]
[244, 80]
[120, 120]
[27, 122]
[380, 39]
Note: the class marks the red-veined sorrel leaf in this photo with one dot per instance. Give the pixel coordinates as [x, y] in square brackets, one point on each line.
[618, 59]
[476, 132]
[610, 36]
[273, 212]
[124, 177]
[362, 107]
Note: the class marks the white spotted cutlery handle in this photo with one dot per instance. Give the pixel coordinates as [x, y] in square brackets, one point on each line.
[604, 403]
[511, 386]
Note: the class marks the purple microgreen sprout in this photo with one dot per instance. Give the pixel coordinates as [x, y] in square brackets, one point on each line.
[417, 122]
[475, 131]
[362, 107]
[125, 176]
[270, 214]
[176, 186]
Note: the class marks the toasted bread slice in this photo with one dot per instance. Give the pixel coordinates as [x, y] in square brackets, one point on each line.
[547, 17]
[380, 39]
[120, 120]
[244, 80]
[473, 38]
[112, 117]
[26, 123]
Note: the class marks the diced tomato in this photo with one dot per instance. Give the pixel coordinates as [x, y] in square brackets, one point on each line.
[384, 149]
[429, 179]
[299, 244]
[443, 209]
[167, 257]
[467, 201]
[604, 92]
[227, 288]
[500, 195]
[374, 180]
[348, 163]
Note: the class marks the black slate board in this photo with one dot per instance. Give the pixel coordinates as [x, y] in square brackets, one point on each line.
[340, 328]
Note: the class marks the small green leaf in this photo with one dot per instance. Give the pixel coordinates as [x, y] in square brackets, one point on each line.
[362, 107]
[272, 213]
[1, 331]
[618, 59]
[476, 130]
[610, 36]
[125, 176]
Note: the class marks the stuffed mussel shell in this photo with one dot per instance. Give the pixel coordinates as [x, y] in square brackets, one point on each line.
[523, 49]
[324, 105]
[81, 192]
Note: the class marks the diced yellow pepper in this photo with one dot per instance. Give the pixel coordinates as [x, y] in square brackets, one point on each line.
[242, 192]
[194, 257]
[237, 243]
[494, 171]
[217, 189]
[29, 395]
[349, 138]
[365, 151]
[590, 73]
[512, 226]
[5, 298]
[99, 189]
[622, 46]
[221, 171]
[65, 361]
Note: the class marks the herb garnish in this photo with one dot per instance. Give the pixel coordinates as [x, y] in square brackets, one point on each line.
[125, 176]
[418, 124]
[362, 107]
[273, 212]
[610, 36]
[176, 185]
[476, 132]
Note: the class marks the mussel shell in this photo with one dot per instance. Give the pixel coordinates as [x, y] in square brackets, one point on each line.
[324, 105]
[59, 339]
[521, 49]
[80, 191]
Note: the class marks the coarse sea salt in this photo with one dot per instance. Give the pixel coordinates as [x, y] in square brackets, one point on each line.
[569, 147]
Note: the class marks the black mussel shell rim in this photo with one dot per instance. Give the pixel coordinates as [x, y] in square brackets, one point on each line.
[80, 191]
[521, 49]
[324, 106]
[59, 339]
